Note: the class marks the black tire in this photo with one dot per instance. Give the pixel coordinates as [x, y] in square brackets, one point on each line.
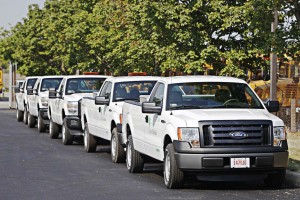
[134, 160]
[25, 115]
[89, 141]
[118, 154]
[40, 124]
[67, 138]
[275, 180]
[19, 115]
[53, 130]
[31, 121]
[173, 176]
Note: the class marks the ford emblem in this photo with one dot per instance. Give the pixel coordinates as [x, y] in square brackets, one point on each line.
[238, 135]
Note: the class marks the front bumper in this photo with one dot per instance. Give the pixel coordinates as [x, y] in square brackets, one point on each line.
[207, 159]
[74, 125]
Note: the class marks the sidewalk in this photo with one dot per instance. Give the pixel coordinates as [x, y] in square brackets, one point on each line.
[4, 103]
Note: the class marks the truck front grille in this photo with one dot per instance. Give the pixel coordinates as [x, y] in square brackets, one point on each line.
[235, 133]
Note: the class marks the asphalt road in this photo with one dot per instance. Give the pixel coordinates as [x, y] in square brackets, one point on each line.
[32, 166]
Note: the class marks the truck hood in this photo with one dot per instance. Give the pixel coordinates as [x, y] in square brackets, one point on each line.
[44, 94]
[192, 117]
[77, 96]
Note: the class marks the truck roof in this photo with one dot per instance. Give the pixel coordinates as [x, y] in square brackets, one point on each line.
[87, 76]
[31, 77]
[199, 78]
[133, 78]
[51, 76]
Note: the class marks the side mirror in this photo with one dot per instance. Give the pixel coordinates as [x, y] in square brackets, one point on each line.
[272, 106]
[148, 107]
[29, 91]
[100, 100]
[21, 90]
[52, 93]
[17, 90]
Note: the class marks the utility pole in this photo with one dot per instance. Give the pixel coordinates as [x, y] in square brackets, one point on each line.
[273, 59]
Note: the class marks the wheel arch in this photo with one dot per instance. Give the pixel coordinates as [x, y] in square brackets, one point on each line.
[167, 140]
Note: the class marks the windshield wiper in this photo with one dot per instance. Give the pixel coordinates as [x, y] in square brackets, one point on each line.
[120, 99]
[124, 99]
[185, 107]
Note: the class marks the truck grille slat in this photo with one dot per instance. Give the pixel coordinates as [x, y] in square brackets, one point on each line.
[251, 141]
[226, 135]
[235, 133]
[250, 128]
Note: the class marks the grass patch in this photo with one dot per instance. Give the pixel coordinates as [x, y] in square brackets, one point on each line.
[294, 150]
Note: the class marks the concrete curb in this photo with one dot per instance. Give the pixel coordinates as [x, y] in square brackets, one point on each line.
[292, 178]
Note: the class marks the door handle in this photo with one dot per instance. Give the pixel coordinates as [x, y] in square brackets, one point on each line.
[162, 121]
[109, 110]
[99, 109]
[146, 119]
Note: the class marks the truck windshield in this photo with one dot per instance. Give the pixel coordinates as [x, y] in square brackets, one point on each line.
[83, 85]
[132, 90]
[50, 83]
[204, 95]
[30, 83]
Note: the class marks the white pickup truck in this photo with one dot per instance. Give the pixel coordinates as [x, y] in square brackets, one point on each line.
[101, 115]
[38, 101]
[213, 127]
[63, 105]
[22, 98]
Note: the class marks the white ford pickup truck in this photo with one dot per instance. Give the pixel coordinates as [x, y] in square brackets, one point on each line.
[38, 101]
[63, 105]
[22, 98]
[213, 127]
[101, 115]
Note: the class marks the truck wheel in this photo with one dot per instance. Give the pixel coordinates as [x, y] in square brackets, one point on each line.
[67, 138]
[90, 142]
[134, 160]
[173, 176]
[25, 115]
[53, 130]
[31, 121]
[40, 124]
[275, 180]
[19, 115]
[117, 150]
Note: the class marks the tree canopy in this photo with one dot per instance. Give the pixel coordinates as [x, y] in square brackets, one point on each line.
[118, 36]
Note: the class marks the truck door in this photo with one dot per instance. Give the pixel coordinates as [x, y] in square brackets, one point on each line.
[105, 112]
[58, 103]
[34, 102]
[154, 124]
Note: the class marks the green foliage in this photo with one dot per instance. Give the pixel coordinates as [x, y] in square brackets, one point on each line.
[151, 35]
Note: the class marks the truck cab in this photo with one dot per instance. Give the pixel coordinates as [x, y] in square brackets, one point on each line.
[22, 98]
[38, 101]
[208, 126]
[63, 106]
[102, 115]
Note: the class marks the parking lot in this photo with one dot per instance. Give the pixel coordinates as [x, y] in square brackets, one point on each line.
[35, 167]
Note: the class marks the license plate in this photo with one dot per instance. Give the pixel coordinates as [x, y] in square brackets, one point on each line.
[240, 162]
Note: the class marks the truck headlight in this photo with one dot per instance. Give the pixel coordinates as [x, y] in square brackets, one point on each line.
[44, 101]
[279, 135]
[190, 135]
[72, 107]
